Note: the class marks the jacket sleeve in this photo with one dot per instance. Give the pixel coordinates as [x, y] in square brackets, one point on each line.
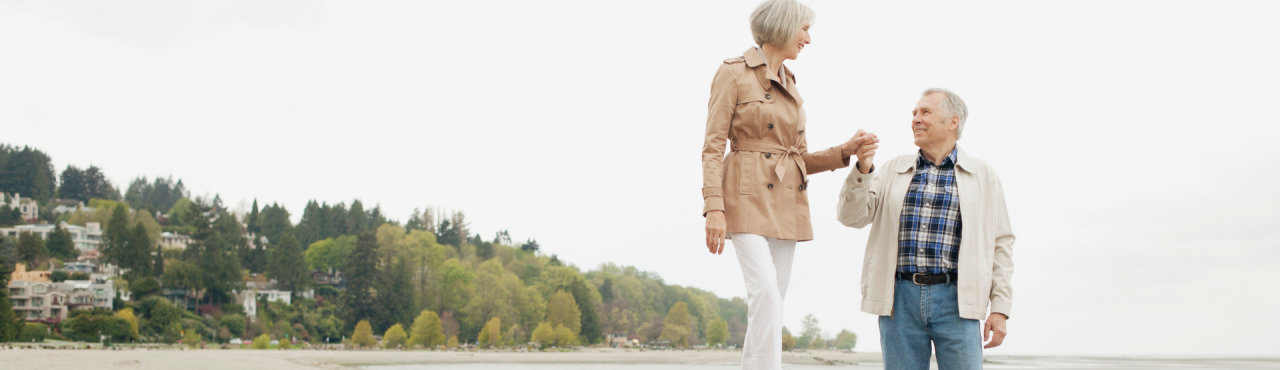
[724, 99]
[825, 160]
[1002, 266]
[859, 199]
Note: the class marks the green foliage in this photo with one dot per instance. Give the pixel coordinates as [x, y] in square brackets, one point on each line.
[87, 324]
[810, 333]
[9, 320]
[141, 288]
[235, 324]
[362, 277]
[426, 330]
[717, 332]
[274, 222]
[287, 266]
[162, 315]
[59, 276]
[330, 253]
[161, 194]
[261, 342]
[28, 172]
[128, 316]
[183, 274]
[180, 213]
[213, 252]
[79, 276]
[394, 337]
[363, 335]
[31, 250]
[453, 342]
[788, 342]
[60, 245]
[491, 334]
[86, 184]
[563, 311]
[677, 326]
[33, 332]
[846, 340]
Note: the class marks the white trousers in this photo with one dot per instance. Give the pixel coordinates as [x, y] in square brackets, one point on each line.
[766, 270]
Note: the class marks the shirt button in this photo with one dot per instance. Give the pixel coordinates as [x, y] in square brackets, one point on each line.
[770, 186]
[770, 126]
[768, 155]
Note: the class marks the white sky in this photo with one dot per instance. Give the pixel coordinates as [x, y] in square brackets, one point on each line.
[1133, 138]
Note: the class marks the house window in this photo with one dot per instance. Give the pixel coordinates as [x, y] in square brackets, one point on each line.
[37, 302]
[15, 291]
[41, 289]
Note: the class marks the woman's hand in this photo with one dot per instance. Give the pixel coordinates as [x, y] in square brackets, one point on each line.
[863, 145]
[715, 231]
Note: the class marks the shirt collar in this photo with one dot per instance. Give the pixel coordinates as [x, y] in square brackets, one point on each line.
[948, 161]
[957, 158]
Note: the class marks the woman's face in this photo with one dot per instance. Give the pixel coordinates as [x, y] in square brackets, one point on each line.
[798, 42]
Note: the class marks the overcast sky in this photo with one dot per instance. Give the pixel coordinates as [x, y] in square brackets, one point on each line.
[1134, 139]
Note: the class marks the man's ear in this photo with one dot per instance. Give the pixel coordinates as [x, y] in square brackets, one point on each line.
[955, 123]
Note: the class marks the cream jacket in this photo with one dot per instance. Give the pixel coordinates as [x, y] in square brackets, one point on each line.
[986, 242]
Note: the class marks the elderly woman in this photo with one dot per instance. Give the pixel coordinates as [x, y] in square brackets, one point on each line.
[757, 194]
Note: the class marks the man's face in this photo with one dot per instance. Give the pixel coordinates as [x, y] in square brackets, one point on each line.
[930, 124]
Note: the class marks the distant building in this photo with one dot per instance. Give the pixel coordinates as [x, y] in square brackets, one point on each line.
[85, 238]
[35, 298]
[29, 208]
[171, 240]
[333, 279]
[66, 205]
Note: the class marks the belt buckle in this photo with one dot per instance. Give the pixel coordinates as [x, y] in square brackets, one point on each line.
[913, 278]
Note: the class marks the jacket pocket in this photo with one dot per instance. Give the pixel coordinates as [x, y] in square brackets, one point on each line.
[754, 112]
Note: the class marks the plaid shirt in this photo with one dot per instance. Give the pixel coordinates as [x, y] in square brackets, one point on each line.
[929, 228]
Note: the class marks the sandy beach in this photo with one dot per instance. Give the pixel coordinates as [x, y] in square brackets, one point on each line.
[311, 359]
[42, 359]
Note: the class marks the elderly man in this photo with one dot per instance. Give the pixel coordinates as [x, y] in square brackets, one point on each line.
[940, 250]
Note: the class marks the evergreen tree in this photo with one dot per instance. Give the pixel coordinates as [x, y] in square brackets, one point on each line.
[253, 219]
[31, 250]
[157, 269]
[362, 276]
[398, 303]
[214, 256]
[274, 222]
[60, 245]
[84, 185]
[287, 265]
[136, 256]
[591, 331]
[116, 236]
[10, 322]
[28, 172]
[606, 290]
[358, 220]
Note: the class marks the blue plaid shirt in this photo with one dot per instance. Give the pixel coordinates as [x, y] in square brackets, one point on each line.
[929, 228]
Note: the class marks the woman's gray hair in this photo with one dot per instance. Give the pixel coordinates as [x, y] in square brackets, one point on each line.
[777, 21]
[954, 106]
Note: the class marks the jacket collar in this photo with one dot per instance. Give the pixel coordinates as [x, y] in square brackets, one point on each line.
[962, 161]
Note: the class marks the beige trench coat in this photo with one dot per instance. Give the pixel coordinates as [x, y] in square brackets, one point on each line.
[761, 184]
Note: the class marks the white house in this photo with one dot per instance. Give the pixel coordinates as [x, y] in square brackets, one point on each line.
[29, 208]
[85, 238]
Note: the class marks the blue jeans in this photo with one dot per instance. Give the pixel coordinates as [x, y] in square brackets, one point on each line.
[923, 314]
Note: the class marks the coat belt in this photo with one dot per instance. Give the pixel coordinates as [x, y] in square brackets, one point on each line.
[788, 153]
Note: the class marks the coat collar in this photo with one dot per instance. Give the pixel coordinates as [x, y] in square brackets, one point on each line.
[962, 161]
[755, 58]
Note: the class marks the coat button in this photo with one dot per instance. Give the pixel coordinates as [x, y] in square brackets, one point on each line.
[767, 96]
[771, 186]
[802, 132]
[767, 155]
[770, 126]
[859, 179]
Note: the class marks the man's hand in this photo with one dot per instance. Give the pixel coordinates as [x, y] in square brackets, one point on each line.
[715, 231]
[867, 152]
[994, 324]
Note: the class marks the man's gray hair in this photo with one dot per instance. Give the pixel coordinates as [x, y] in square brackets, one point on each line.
[777, 21]
[954, 106]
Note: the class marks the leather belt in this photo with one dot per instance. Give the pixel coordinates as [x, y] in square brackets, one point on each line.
[925, 279]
